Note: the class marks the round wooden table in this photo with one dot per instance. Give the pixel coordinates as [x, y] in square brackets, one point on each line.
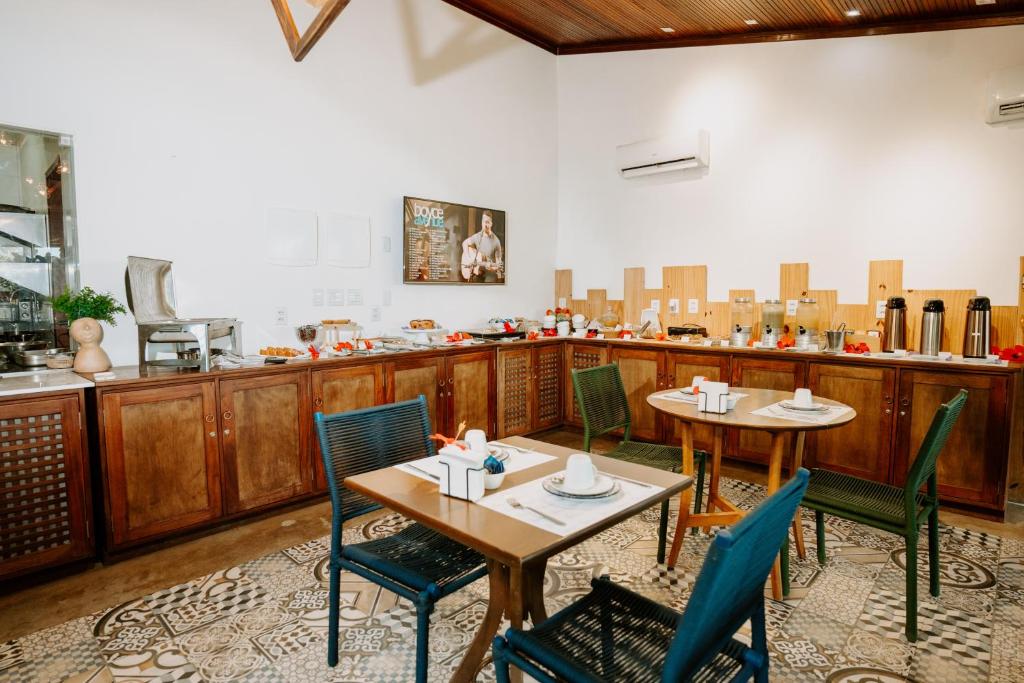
[721, 512]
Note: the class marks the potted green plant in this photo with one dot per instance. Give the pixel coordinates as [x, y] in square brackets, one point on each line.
[86, 309]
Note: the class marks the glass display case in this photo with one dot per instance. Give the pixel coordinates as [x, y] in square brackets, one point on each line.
[38, 240]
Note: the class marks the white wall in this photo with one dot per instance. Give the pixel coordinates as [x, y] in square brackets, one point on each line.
[833, 152]
[190, 119]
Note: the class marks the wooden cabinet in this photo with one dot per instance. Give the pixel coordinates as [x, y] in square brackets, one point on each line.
[972, 467]
[338, 390]
[162, 460]
[680, 368]
[761, 373]
[265, 432]
[470, 391]
[409, 378]
[862, 447]
[577, 357]
[529, 396]
[45, 508]
[643, 373]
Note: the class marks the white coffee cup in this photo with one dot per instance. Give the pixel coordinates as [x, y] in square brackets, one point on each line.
[697, 381]
[477, 442]
[803, 398]
[580, 473]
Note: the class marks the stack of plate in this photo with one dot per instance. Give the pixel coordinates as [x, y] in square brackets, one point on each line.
[604, 487]
[813, 408]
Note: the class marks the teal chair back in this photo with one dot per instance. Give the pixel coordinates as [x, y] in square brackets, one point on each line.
[602, 402]
[369, 439]
[923, 468]
[730, 587]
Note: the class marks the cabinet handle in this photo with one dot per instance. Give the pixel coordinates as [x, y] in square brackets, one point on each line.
[903, 413]
[888, 400]
[227, 432]
[318, 402]
[209, 418]
[888, 411]
[905, 402]
[451, 380]
[213, 435]
[228, 415]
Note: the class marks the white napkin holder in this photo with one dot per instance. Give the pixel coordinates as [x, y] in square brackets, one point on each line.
[462, 473]
[713, 397]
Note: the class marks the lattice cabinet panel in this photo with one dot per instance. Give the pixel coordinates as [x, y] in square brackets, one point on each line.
[549, 386]
[44, 515]
[578, 357]
[515, 389]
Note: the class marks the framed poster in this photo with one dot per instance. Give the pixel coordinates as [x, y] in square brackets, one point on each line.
[453, 244]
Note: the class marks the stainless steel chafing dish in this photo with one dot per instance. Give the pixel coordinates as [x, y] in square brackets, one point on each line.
[150, 288]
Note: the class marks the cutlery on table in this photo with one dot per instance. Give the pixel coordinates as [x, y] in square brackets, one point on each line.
[423, 471]
[519, 506]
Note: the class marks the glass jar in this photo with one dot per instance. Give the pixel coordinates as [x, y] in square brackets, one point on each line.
[773, 317]
[808, 314]
[609, 319]
[741, 315]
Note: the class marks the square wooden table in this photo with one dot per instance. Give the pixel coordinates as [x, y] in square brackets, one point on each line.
[516, 552]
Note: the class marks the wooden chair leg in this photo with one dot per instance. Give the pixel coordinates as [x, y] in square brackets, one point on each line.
[911, 540]
[798, 536]
[698, 494]
[819, 527]
[933, 552]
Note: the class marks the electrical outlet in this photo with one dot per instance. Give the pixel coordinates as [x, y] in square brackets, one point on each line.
[673, 305]
[375, 314]
[880, 309]
[318, 297]
[335, 297]
[385, 243]
[281, 316]
[791, 306]
[656, 305]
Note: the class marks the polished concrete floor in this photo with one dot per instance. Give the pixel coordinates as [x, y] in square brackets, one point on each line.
[55, 602]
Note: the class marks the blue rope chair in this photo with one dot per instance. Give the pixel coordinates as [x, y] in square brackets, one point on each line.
[604, 407]
[613, 634]
[417, 563]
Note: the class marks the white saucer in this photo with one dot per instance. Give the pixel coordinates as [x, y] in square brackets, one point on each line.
[602, 484]
[813, 408]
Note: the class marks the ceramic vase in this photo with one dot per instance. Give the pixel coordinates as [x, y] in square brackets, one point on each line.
[88, 333]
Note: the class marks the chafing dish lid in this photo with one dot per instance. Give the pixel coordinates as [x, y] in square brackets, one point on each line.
[149, 284]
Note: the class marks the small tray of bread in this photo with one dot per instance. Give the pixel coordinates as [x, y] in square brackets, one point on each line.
[423, 326]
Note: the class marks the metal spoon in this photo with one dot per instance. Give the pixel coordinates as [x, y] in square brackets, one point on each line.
[519, 506]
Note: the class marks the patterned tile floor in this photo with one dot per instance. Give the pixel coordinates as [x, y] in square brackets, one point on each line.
[266, 620]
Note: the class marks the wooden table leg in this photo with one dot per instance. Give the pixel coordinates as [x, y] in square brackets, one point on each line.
[798, 528]
[686, 497]
[473, 660]
[515, 608]
[716, 470]
[774, 480]
[534, 591]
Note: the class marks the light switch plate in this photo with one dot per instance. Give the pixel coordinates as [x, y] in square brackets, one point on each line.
[335, 297]
[673, 305]
[692, 306]
[791, 306]
[385, 243]
[281, 316]
[375, 314]
[354, 297]
[561, 302]
[880, 309]
[656, 305]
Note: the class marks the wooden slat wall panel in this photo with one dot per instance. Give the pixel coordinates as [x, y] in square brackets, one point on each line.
[793, 284]
[854, 315]
[633, 294]
[683, 283]
[563, 286]
[956, 314]
[885, 279]
[1020, 303]
[716, 318]
[827, 305]
[1005, 324]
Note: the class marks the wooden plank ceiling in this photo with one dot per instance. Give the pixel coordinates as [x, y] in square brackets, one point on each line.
[575, 26]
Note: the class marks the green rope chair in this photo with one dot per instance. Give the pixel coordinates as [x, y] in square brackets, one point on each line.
[604, 407]
[419, 564]
[613, 634]
[899, 511]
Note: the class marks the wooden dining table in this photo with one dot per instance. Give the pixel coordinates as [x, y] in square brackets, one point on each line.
[516, 552]
[720, 511]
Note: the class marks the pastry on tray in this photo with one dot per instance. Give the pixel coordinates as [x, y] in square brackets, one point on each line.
[424, 324]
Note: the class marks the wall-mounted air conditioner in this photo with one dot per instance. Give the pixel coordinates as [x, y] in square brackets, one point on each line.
[663, 155]
[1006, 95]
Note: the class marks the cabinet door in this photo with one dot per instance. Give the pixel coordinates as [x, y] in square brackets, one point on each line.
[972, 467]
[863, 447]
[516, 392]
[45, 516]
[408, 379]
[642, 373]
[265, 424]
[578, 357]
[762, 373]
[340, 390]
[547, 371]
[680, 369]
[471, 391]
[162, 460]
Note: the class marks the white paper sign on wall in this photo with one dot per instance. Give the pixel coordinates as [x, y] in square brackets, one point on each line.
[791, 306]
[692, 306]
[673, 305]
[656, 305]
[880, 309]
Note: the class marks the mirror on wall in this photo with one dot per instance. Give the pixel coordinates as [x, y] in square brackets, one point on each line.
[38, 239]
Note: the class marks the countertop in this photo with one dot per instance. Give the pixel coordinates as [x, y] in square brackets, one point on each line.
[40, 381]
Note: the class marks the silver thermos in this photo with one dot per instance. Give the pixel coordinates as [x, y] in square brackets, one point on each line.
[932, 322]
[978, 329]
[894, 333]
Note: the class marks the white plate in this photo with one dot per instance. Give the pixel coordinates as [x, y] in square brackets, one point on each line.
[602, 484]
[813, 408]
